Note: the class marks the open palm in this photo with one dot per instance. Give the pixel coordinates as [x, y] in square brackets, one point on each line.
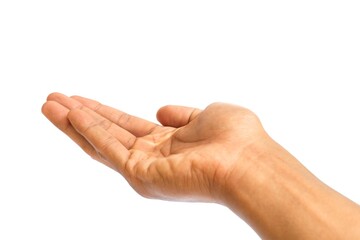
[188, 157]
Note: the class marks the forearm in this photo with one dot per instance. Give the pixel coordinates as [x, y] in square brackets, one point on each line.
[281, 199]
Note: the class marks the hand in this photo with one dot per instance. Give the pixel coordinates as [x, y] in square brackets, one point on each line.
[190, 157]
[221, 154]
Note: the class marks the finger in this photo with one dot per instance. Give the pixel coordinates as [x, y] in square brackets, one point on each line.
[176, 116]
[57, 114]
[126, 138]
[102, 140]
[64, 100]
[137, 126]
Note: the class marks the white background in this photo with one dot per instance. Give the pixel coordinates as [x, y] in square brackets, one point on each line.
[295, 63]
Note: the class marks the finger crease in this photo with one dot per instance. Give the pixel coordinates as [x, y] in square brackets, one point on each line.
[191, 115]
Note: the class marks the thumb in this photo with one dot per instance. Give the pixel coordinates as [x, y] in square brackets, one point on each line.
[176, 116]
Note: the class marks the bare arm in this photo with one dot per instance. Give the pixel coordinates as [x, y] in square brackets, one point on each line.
[221, 154]
[281, 199]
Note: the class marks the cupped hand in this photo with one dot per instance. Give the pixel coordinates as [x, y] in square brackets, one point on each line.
[189, 157]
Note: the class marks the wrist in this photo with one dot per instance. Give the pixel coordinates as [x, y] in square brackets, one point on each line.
[251, 175]
[276, 195]
[279, 198]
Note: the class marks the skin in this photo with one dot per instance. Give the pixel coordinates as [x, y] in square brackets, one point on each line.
[221, 154]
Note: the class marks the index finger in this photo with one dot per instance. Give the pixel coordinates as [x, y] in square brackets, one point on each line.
[103, 141]
[135, 125]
